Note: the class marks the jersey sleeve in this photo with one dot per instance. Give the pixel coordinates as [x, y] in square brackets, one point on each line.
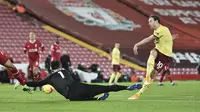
[41, 46]
[52, 48]
[38, 83]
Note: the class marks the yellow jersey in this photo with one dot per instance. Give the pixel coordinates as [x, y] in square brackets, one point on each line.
[115, 56]
[164, 40]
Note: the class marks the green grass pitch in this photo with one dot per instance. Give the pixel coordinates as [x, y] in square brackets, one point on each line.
[184, 97]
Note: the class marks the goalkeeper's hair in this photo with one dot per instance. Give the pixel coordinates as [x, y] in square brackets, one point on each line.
[55, 65]
[65, 61]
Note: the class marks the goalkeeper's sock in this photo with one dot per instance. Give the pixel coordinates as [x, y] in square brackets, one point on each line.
[111, 78]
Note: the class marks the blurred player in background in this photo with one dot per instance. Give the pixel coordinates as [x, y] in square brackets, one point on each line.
[160, 56]
[4, 60]
[166, 72]
[33, 47]
[55, 51]
[116, 64]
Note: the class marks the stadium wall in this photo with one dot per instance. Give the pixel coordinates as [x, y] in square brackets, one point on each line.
[66, 24]
[104, 38]
[99, 51]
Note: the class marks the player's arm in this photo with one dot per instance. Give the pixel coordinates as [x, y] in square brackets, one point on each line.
[25, 48]
[175, 36]
[52, 48]
[110, 56]
[142, 42]
[38, 83]
[41, 46]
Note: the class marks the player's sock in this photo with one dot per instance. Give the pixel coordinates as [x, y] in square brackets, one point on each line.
[111, 78]
[18, 76]
[170, 78]
[150, 67]
[160, 84]
[117, 77]
[161, 78]
[139, 93]
[144, 87]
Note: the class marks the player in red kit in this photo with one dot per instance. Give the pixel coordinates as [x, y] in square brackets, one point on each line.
[4, 60]
[55, 51]
[33, 47]
[166, 72]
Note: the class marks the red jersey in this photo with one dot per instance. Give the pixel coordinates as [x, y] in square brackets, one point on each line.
[33, 50]
[55, 52]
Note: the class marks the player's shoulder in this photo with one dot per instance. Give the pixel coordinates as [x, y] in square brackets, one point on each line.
[37, 41]
[27, 43]
[164, 28]
[3, 53]
[115, 49]
[57, 70]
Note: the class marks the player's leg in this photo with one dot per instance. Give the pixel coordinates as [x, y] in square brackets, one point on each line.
[112, 77]
[169, 77]
[150, 65]
[161, 78]
[15, 72]
[144, 87]
[150, 74]
[35, 73]
[85, 91]
[32, 73]
[18, 75]
[117, 75]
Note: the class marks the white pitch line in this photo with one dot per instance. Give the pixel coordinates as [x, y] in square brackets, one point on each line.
[165, 96]
[169, 101]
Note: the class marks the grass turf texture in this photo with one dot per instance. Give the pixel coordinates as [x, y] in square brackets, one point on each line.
[184, 97]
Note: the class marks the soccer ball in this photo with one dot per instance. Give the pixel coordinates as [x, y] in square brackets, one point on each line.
[47, 89]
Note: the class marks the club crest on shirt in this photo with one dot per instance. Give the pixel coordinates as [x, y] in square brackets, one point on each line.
[91, 14]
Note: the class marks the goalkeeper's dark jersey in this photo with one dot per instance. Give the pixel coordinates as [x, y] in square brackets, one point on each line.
[60, 79]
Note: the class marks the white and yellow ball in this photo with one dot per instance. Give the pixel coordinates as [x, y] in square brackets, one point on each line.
[47, 89]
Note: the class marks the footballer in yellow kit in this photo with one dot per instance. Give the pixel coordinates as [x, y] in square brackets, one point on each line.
[116, 64]
[160, 55]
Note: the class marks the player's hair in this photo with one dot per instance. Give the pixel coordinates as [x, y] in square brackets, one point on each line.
[57, 41]
[156, 18]
[55, 65]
